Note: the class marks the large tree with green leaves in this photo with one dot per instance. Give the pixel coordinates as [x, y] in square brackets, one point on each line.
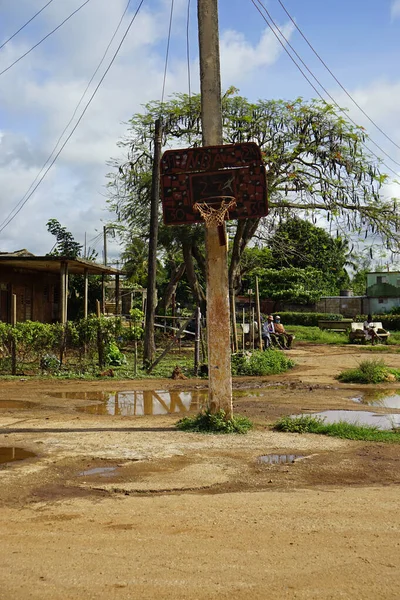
[316, 163]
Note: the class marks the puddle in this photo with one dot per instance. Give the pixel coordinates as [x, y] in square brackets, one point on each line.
[102, 471]
[11, 454]
[16, 404]
[151, 402]
[360, 417]
[279, 459]
[384, 398]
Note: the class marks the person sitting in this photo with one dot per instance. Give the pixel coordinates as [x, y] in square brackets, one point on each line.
[273, 335]
[285, 338]
[369, 331]
[266, 336]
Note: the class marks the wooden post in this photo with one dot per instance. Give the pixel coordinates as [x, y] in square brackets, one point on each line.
[62, 293]
[260, 343]
[103, 294]
[13, 343]
[149, 347]
[218, 321]
[86, 294]
[235, 343]
[197, 341]
[117, 295]
[105, 245]
[243, 334]
[98, 309]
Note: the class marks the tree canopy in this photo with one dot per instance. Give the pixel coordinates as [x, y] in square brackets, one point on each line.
[316, 164]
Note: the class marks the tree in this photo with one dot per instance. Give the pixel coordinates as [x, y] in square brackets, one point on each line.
[65, 243]
[315, 164]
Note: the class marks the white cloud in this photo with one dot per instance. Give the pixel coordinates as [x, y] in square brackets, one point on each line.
[240, 58]
[395, 9]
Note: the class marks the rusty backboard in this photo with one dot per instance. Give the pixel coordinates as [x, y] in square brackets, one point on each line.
[208, 174]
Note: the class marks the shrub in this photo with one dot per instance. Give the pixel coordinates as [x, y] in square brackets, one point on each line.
[370, 371]
[269, 362]
[301, 424]
[306, 318]
[206, 422]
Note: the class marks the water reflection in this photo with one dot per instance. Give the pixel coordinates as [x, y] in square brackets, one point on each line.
[10, 454]
[139, 403]
[360, 417]
[384, 398]
[16, 404]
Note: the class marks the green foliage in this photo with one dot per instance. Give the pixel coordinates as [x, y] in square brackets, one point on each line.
[65, 243]
[318, 336]
[308, 319]
[114, 356]
[390, 322]
[349, 431]
[301, 424]
[370, 371]
[301, 286]
[207, 422]
[269, 362]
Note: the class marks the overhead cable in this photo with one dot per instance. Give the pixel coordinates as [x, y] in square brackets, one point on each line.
[167, 51]
[337, 80]
[73, 115]
[10, 218]
[25, 24]
[318, 82]
[45, 38]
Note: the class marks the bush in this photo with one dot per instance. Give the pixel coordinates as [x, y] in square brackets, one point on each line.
[307, 319]
[301, 424]
[370, 371]
[269, 362]
[206, 422]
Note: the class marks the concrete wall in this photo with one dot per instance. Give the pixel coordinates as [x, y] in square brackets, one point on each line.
[348, 306]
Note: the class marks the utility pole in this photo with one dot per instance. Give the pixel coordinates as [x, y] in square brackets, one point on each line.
[149, 344]
[105, 245]
[218, 330]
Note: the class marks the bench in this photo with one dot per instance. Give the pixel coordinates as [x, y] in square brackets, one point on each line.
[357, 332]
[343, 326]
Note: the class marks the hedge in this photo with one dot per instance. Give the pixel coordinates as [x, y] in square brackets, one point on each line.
[307, 319]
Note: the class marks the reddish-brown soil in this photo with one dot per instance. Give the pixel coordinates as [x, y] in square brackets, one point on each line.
[128, 507]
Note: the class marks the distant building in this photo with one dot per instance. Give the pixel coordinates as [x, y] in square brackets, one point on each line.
[383, 291]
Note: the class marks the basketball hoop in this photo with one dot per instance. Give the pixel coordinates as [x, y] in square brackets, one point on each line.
[215, 217]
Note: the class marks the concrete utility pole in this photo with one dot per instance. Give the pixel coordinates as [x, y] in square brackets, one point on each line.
[149, 344]
[218, 331]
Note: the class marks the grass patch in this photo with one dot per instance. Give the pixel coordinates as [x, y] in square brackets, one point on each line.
[270, 362]
[372, 370]
[317, 335]
[348, 431]
[205, 422]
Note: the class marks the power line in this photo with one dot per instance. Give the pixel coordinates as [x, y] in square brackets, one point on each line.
[337, 80]
[188, 49]
[10, 218]
[45, 38]
[167, 52]
[73, 115]
[318, 82]
[27, 23]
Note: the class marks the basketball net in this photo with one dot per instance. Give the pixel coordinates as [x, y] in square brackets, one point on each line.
[214, 217]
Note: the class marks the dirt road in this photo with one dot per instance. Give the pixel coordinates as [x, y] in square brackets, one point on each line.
[116, 506]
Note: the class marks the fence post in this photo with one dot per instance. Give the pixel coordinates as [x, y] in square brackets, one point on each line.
[13, 343]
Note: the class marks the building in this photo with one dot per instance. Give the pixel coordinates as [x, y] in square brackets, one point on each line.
[35, 288]
[383, 291]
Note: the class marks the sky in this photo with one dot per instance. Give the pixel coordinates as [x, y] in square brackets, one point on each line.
[359, 40]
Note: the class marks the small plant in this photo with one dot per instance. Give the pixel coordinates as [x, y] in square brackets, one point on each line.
[301, 424]
[341, 429]
[270, 362]
[49, 363]
[370, 371]
[114, 355]
[207, 422]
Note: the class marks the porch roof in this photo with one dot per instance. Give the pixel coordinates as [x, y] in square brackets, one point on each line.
[52, 264]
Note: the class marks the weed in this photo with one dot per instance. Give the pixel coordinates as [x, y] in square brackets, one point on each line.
[206, 422]
[370, 371]
[269, 362]
[341, 429]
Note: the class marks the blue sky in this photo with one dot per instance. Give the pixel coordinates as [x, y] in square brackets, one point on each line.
[358, 39]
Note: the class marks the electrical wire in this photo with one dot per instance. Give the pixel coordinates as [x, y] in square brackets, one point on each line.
[10, 218]
[45, 38]
[167, 52]
[27, 23]
[337, 80]
[74, 113]
[318, 82]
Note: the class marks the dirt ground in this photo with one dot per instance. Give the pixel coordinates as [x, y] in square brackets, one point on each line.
[125, 507]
